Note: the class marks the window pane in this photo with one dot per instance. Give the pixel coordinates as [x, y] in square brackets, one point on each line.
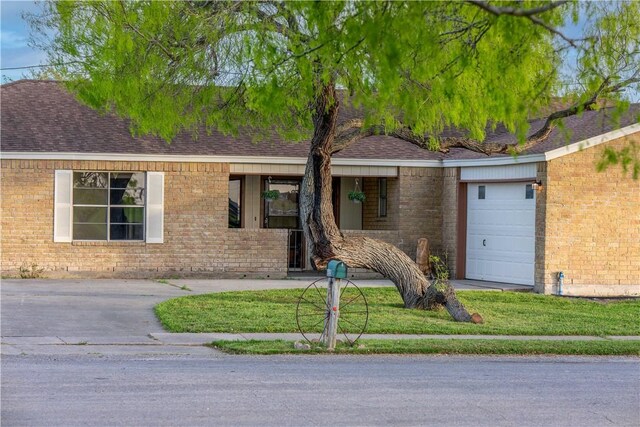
[89, 196]
[129, 196]
[382, 197]
[90, 179]
[122, 189]
[127, 215]
[481, 191]
[89, 215]
[234, 204]
[127, 180]
[287, 204]
[528, 192]
[90, 231]
[127, 232]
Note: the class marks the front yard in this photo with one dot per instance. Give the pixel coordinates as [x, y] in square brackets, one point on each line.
[504, 313]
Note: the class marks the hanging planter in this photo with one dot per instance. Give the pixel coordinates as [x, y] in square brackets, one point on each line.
[270, 195]
[356, 196]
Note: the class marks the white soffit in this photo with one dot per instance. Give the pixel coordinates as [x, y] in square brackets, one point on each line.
[499, 173]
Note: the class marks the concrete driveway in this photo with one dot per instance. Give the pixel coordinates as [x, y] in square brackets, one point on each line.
[37, 315]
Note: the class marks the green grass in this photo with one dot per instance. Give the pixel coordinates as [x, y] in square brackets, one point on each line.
[505, 313]
[503, 347]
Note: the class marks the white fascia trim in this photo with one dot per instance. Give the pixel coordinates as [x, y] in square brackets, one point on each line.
[118, 157]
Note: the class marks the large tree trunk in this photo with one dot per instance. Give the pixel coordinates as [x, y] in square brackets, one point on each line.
[327, 242]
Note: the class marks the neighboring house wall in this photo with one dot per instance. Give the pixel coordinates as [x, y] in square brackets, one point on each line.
[591, 226]
[196, 237]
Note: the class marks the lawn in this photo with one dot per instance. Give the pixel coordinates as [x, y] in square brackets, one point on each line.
[434, 346]
[505, 313]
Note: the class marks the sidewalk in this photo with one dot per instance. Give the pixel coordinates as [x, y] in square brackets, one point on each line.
[198, 339]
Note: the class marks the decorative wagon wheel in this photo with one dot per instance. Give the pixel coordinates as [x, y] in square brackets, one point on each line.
[312, 312]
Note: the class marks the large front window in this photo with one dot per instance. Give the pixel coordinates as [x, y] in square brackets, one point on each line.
[108, 205]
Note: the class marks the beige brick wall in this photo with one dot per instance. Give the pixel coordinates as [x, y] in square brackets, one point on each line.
[370, 218]
[450, 181]
[591, 227]
[197, 240]
[413, 208]
[420, 203]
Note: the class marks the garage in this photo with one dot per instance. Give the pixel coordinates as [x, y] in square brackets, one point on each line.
[500, 243]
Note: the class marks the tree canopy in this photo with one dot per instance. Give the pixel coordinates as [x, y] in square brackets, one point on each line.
[423, 66]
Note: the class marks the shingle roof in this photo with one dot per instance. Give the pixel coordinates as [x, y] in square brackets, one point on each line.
[41, 116]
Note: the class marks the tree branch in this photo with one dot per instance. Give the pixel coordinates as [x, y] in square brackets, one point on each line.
[354, 130]
[530, 14]
[516, 11]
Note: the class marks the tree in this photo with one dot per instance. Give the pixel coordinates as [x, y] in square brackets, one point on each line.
[411, 68]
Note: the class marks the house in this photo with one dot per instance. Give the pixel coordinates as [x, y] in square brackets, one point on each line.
[81, 195]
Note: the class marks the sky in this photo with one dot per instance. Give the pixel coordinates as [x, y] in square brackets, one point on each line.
[14, 35]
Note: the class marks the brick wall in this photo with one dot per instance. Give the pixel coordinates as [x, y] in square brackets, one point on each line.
[370, 218]
[591, 227]
[450, 180]
[197, 240]
[420, 208]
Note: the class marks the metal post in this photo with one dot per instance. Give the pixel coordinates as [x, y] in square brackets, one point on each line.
[333, 306]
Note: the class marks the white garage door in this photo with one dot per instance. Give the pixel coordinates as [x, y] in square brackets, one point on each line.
[501, 220]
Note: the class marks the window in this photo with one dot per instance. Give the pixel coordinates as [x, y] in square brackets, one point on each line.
[108, 205]
[481, 192]
[528, 193]
[235, 203]
[283, 212]
[382, 197]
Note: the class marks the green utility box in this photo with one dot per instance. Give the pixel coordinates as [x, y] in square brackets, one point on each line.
[337, 269]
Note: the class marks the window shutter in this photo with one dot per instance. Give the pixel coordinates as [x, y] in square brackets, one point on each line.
[155, 207]
[63, 207]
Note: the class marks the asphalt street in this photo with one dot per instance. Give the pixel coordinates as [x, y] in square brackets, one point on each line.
[114, 373]
[87, 390]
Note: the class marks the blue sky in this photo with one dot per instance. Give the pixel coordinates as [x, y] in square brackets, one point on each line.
[14, 35]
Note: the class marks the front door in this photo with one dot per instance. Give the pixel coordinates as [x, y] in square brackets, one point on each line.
[283, 213]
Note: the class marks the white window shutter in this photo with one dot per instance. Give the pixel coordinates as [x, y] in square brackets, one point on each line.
[63, 206]
[155, 207]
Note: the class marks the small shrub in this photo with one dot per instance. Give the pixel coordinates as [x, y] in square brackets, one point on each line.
[439, 268]
[30, 271]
